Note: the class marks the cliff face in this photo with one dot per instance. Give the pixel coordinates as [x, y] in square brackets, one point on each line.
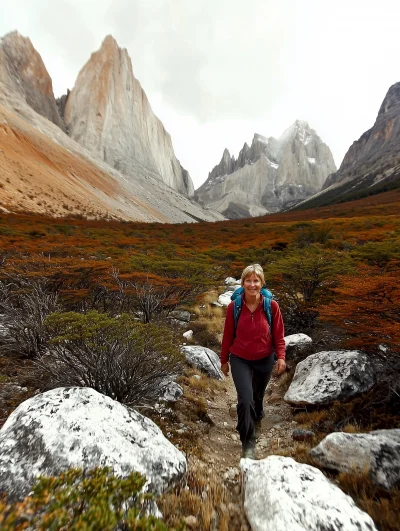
[270, 175]
[109, 114]
[376, 148]
[23, 72]
[43, 170]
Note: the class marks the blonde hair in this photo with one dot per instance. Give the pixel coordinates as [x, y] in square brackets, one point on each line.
[249, 270]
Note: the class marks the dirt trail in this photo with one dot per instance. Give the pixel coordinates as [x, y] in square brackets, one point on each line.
[222, 447]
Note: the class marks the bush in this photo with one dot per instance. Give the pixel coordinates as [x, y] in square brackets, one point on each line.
[25, 303]
[94, 501]
[128, 361]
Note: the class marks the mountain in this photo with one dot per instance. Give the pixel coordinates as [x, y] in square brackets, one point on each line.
[23, 72]
[372, 163]
[46, 171]
[268, 176]
[109, 114]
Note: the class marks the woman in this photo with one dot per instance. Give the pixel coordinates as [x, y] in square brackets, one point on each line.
[250, 351]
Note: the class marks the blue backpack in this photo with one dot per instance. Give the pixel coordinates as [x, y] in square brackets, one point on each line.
[237, 308]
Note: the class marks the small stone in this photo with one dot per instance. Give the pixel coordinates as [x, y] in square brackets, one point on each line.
[188, 334]
[232, 410]
[225, 424]
[191, 521]
[302, 435]
[231, 474]
[234, 437]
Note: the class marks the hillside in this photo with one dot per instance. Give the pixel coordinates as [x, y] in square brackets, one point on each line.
[372, 163]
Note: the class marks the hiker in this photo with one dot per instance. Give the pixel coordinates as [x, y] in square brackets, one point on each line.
[249, 345]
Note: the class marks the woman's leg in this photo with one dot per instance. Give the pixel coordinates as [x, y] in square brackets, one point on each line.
[262, 370]
[242, 378]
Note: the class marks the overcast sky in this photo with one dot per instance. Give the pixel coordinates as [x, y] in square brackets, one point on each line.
[218, 71]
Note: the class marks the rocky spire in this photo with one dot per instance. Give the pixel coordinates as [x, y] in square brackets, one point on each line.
[376, 148]
[270, 174]
[108, 112]
[23, 72]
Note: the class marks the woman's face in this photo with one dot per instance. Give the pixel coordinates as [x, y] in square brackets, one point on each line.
[252, 285]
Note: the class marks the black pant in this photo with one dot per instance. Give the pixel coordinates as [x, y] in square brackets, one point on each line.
[251, 378]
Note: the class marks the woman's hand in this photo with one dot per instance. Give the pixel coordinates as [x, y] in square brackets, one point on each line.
[225, 368]
[280, 367]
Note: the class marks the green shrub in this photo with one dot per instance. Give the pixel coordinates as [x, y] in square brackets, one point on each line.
[92, 501]
[128, 361]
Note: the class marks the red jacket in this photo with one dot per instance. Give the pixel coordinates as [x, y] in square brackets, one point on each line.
[253, 338]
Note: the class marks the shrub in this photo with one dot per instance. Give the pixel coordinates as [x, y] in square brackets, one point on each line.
[92, 501]
[148, 295]
[129, 362]
[25, 303]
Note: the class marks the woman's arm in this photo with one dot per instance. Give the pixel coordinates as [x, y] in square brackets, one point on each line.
[278, 331]
[229, 334]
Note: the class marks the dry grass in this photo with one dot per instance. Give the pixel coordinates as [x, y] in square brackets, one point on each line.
[198, 381]
[312, 419]
[201, 495]
[381, 505]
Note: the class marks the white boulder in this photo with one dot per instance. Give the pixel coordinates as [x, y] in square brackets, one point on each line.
[377, 452]
[330, 375]
[230, 281]
[296, 344]
[281, 494]
[204, 359]
[297, 340]
[180, 315]
[225, 298]
[79, 427]
[188, 334]
[171, 392]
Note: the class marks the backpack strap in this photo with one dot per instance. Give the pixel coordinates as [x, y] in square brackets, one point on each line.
[237, 306]
[267, 305]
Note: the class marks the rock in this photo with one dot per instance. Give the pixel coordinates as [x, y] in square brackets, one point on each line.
[230, 281]
[371, 162]
[188, 334]
[296, 344]
[302, 435]
[377, 452]
[225, 298]
[280, 495]
[180, 315]
[297, 340]
[233, 411]
[205, 359]
[109, 114]
[330, 375]
[269, 175]
[191, 521]
[171, 392]
[78, 427]
[231, 474]
[23, 72]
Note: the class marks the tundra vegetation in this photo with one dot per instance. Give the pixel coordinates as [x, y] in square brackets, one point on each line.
[84, 302]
